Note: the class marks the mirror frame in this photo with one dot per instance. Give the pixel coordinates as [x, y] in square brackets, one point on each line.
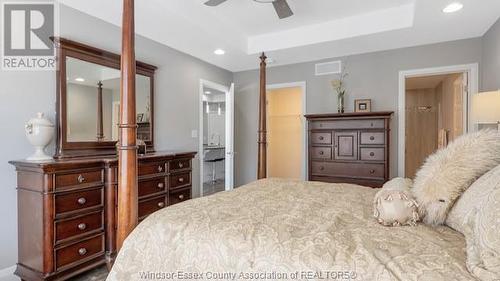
[68, 48]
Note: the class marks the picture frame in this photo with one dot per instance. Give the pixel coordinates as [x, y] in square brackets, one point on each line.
[140, 117]
[363, 105]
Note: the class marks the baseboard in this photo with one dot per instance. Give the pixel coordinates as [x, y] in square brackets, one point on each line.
[8, 271]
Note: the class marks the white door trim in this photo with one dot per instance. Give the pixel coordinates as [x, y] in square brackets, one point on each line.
[218, 87]
[472, 71]
[302, 85]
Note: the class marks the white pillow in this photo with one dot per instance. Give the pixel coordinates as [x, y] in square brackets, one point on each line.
[476, 214]
[394, 204]
[448, 172]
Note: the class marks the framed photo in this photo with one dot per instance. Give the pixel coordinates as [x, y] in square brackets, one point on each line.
[364, 105]
[140, 117]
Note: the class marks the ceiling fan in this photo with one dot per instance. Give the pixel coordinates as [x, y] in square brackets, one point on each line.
[281, 6]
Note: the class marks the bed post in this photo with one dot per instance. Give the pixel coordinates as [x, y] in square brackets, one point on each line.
[127, 149]
[262, 156]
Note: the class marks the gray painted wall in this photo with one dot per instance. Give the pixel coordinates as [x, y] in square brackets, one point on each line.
[25, 93]
[491, 58]
[373, 76]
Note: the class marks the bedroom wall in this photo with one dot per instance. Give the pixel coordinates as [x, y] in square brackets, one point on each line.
[373, 75]
[176, 111]
[491, 58]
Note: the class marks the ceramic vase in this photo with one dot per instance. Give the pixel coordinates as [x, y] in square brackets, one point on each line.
[39, 131]
[340, 103]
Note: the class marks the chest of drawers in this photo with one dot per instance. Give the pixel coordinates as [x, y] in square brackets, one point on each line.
[67, 209]
[349, 148]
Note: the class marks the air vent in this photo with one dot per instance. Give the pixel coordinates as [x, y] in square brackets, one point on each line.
[332, 67]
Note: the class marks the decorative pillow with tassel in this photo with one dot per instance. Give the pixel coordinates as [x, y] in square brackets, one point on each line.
[394, 204]
[447, 173]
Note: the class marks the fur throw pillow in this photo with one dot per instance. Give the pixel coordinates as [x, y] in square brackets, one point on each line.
[447, 173]
[394, 204]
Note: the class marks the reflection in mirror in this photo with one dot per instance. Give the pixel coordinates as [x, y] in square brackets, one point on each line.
[93, 102]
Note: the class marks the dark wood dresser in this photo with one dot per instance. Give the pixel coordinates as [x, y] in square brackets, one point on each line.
[349, 148]
[67, 209]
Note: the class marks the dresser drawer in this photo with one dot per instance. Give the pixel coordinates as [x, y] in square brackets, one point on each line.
[319, 152]
[152, 168]
[149, 187]
[69, 228]
[321, 138]
[372, 154]
[180, 180]
[178, 196]
[350, 170]
[75, 179]
[74, 201]
[372, 138]
[149, 206]
[79, 251]
[348, 124]
[180, 164]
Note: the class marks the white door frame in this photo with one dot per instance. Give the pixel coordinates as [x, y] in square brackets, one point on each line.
[472, 71]
[222, 88]
[302, 85]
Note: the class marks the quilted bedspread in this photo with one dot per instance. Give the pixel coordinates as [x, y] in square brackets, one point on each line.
[288, 230]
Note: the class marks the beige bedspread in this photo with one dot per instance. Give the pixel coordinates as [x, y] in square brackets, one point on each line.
[280, 229]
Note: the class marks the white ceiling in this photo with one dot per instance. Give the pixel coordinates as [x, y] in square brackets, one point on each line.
[319, 29]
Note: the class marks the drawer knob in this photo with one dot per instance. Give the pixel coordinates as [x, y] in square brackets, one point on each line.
[161, 204]
[82, 200]
[161, 185]
[321, 152]
[82, 226]
[372, 154]
[181, 165]
[181, 179]
[181, 196]
[81, 178]
[82, 251]
[321, 138]
[160, 169]
[321, 168]
[372, 138]
[371, 124]
[372, 171]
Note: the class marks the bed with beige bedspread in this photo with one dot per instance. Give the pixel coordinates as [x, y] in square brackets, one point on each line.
[287, 230]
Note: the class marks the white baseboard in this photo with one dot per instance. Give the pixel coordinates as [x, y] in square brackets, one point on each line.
[7, 272]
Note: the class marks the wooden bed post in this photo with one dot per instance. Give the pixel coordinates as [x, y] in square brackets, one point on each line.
[262, 156]
[127, 150]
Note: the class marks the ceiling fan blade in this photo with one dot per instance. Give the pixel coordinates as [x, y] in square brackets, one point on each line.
[213, 3]
[282, 9]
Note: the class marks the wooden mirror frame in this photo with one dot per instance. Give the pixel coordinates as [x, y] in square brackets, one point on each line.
[68, 48]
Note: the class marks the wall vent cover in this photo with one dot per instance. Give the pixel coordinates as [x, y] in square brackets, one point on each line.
[332, 67]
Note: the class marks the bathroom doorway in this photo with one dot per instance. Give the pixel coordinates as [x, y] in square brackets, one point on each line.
[216, 137]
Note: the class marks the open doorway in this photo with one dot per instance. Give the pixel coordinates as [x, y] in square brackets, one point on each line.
[286, 151]
[436, 114]
[216, 137]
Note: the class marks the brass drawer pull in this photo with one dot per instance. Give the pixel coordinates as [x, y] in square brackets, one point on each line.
[181, 165]
[321, 168]
[321, 152]
[82, 200]
[161, 204]
[181, 196]
[82, 251]
[82, 226]
[372, 154]
[372, 171]
[181, 180]
[160, 169]
[161, 185]
[81, 178]
[372, 138]
[321, 138]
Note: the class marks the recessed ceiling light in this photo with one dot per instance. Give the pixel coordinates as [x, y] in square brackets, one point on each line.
[208, 92]
[219, 52]
[79, 79]
[453, 7]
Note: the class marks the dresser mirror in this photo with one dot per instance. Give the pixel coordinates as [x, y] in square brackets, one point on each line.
[88, 81]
